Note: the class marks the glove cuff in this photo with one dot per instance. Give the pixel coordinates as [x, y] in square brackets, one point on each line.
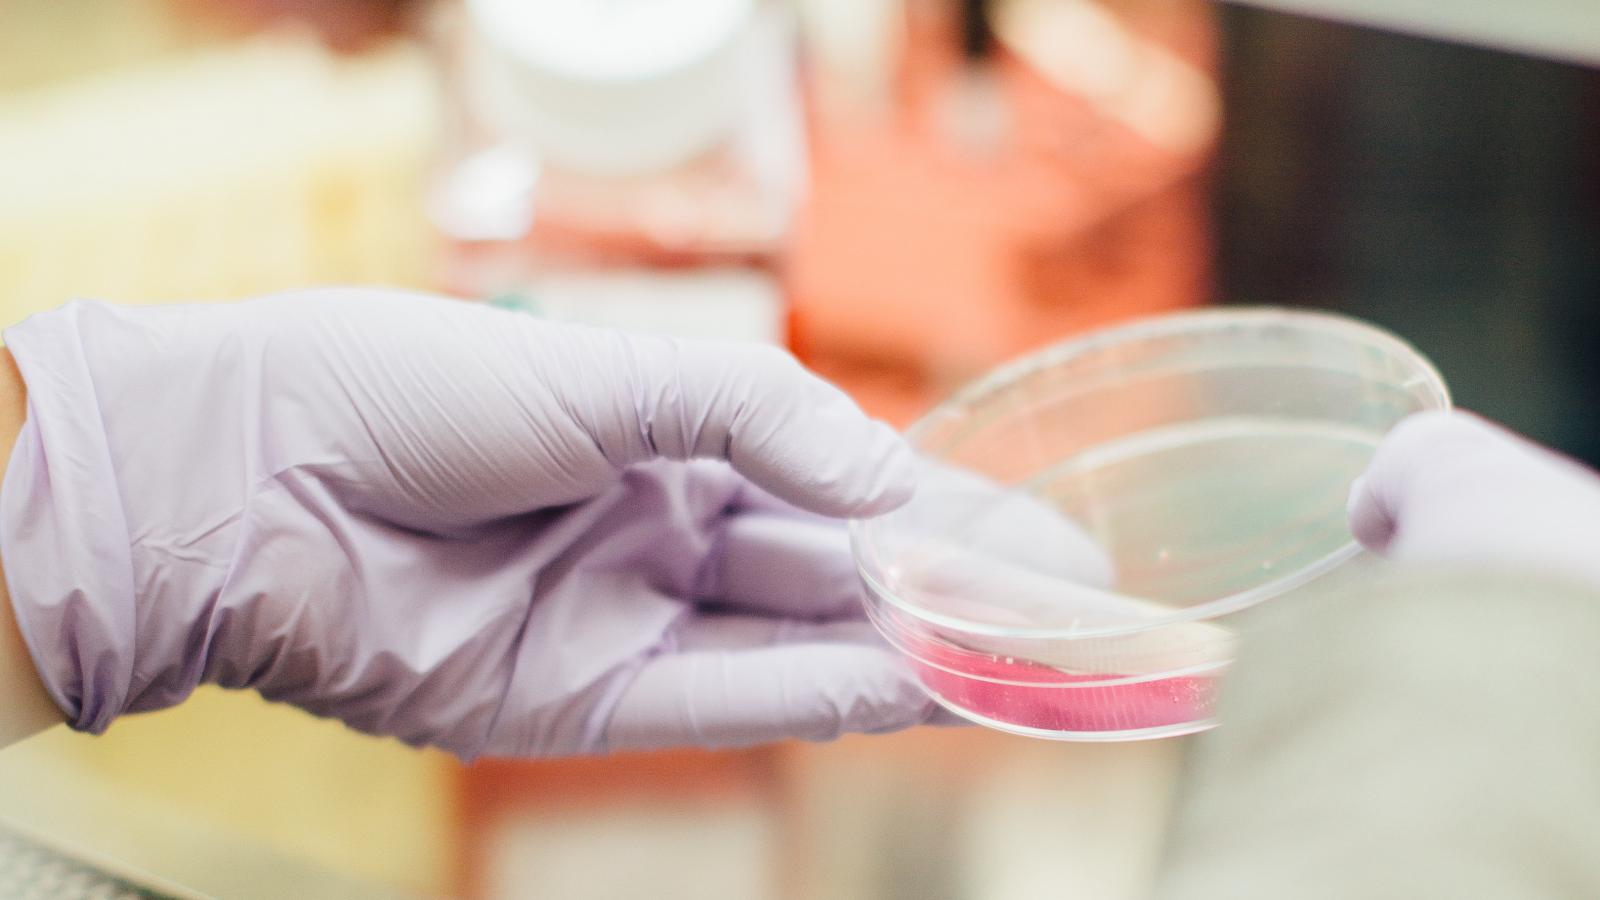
[63, 533]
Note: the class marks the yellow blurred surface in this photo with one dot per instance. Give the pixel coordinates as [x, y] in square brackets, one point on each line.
[233, 795]
[45, 42]
[140, 162]
[228, 172]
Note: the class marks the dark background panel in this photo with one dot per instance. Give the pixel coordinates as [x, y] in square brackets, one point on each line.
[1449, 193]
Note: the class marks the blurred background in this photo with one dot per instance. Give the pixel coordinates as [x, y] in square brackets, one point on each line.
[905, 192]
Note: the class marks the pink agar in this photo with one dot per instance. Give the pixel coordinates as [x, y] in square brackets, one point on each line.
[1049, 699]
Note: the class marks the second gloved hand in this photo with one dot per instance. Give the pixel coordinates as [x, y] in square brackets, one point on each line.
[1453, 489]
[459, 526]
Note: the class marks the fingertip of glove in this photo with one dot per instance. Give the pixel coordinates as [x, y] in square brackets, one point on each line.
[1369, 522]
[1415, 448]
[835, 476]
[896, 475]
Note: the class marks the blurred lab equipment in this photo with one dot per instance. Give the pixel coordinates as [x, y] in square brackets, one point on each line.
[1047, 181]
[622, 164]
[1127, 497]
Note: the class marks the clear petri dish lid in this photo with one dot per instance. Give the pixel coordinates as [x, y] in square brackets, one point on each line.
[1169, 471]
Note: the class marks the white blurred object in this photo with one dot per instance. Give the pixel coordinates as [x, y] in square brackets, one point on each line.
[613, 86]
[726, 304]
[1084, 50]
[1069, 821]
[488, 196]
[1561, 29]
[855, 46]
[668, 853]
[630, 163]
[975, 114]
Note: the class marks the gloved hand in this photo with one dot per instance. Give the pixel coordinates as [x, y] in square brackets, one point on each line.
[455, 525]
[1451, 488]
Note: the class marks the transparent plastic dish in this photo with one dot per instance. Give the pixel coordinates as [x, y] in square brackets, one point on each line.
[1093, 518]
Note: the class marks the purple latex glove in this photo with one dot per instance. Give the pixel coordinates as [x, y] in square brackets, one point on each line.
[455, 525]
[1451, 488]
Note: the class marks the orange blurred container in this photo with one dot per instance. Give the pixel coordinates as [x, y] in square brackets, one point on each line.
[922, 259]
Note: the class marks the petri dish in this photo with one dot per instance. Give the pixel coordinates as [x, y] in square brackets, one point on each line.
[1095, 517]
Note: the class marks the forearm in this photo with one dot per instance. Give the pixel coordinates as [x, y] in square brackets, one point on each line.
[25, 706]
[1422, 735]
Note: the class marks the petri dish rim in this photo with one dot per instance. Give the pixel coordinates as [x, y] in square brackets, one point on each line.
[1353, 330]
[1172, 324]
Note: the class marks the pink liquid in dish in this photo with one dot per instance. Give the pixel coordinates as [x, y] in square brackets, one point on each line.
[1018, 692]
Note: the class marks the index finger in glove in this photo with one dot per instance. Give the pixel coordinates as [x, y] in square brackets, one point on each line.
[782, 427]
